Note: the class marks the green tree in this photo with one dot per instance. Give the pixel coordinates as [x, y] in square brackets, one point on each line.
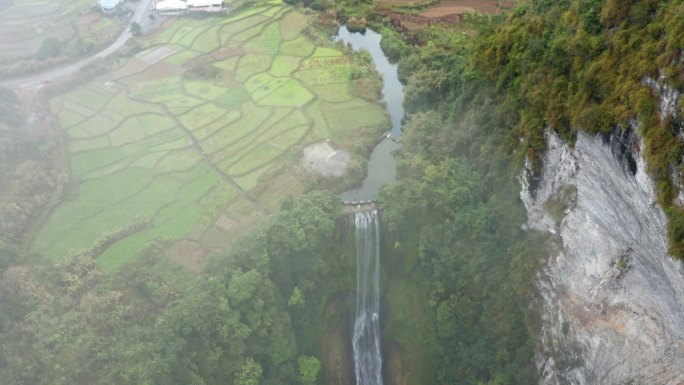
[298, 241]
[136, 29]
[308, 369]
[249, 373]
[296, 299]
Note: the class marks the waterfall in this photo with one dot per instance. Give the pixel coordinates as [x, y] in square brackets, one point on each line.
[366, 339]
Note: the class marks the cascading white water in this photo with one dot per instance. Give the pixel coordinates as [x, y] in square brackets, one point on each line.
[366, 339]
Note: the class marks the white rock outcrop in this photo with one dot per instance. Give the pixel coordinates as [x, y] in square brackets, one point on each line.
[613, 299]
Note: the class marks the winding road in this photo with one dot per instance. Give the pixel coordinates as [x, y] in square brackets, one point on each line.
[41, 78]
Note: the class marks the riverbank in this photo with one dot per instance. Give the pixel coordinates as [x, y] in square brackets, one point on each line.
[381, 166]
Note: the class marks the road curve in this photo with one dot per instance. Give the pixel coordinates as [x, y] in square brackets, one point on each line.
[41, 78]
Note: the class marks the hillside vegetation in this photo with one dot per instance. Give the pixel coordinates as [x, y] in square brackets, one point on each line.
[242, 322]
[477, 108]
[459, 266]
[453, 223]
[584, 65]
[195, 139]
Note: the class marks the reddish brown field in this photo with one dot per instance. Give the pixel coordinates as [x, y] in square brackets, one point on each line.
[447, 11]
[459, 7]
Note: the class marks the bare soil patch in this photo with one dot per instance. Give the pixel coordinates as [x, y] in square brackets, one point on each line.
[414, 22]
[460, 7]
[447, 11]
[157, 71]
[325, 160]
[396, 374]
[188, 253]
[226, 52]
[132, 67]
[404, 3]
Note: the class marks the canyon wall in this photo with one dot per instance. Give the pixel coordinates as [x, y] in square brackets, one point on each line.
[613, 299]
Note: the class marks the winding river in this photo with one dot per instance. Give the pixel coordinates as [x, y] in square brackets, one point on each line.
[381, 164]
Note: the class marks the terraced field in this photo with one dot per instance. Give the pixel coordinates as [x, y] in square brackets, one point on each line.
[24, 25]
[190, 143]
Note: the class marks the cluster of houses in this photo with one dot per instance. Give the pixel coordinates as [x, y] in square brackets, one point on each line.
[171, 7]
[180, 7]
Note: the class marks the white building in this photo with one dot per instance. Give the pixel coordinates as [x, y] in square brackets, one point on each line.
[108, 6]
[172, 7]
[206, 6]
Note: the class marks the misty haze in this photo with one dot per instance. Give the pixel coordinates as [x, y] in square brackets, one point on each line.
[341, 192]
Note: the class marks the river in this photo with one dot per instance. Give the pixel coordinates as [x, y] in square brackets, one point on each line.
[381, 170]
[381, 164]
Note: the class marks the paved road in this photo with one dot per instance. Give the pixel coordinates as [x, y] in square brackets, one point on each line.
[39, 79]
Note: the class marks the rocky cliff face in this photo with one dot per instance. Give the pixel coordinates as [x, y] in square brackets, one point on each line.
[613, 300]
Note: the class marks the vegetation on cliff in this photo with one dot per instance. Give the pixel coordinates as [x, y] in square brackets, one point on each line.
[476, 109]
[586, 64]
[454, 219]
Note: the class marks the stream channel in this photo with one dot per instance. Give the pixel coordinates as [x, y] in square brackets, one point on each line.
[366, 336]
[381, 165]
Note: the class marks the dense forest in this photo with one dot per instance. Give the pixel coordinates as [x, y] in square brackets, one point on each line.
[245, 321]
[457, 216]
[453, 224]
[475, 111]
[558, 65]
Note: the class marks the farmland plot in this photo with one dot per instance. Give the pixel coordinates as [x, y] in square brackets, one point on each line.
[199, 145]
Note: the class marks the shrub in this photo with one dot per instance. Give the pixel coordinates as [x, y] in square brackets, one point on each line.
[51, 47]
[394, 47]
[136, 29]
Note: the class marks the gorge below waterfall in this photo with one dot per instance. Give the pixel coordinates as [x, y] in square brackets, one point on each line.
[366, 334]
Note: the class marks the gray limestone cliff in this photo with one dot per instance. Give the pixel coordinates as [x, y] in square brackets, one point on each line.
[613, 299]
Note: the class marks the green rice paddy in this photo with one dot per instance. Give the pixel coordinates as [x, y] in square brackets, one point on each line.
[182, 150]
